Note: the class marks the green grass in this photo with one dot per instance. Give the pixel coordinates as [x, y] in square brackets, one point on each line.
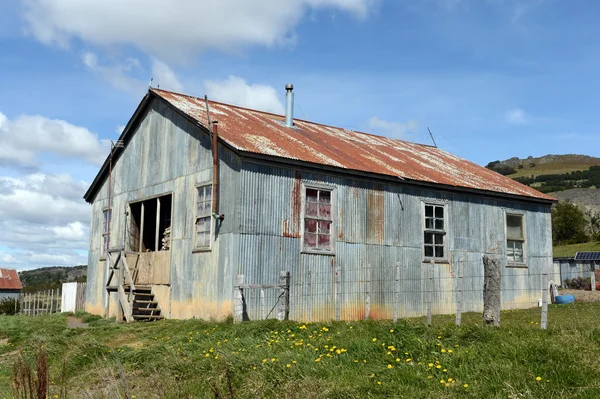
[571, 250]
[558, 168]
[190, 359]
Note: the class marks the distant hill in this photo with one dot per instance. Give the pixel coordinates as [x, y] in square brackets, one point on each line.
[546, 165]
[48, 278]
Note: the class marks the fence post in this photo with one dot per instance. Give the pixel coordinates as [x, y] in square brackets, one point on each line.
[430, 292]
[309, 295]
[51, 299]
[459, 294]
[238, 298]
[491, 291]
[284, 308]
[338, 293]
[544, 323]
[263, 315]
[593, 280]
[396, 293]
[368, 299]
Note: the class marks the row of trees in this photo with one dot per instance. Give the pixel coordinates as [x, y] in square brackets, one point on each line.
[572, 225]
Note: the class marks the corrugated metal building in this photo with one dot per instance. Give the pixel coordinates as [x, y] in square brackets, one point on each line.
[10, 284]
[345, 212]
[568, 268]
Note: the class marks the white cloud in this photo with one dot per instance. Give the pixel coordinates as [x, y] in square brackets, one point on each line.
[169, 31]
[118, 74]
[164, 76]
[517, 116]
[44, 220]
[235, 90]
[391, 129]
[27, 137]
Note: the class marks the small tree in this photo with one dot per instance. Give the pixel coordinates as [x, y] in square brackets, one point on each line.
[568, 224]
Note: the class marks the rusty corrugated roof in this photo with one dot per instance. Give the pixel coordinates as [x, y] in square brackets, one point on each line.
[9, 280]
[264, 133]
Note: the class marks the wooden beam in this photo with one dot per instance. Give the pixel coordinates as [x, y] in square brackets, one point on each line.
[125, 305]
[156, 241]
[141, 248]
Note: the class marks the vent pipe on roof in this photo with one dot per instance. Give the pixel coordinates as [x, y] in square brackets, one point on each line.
[289, 105]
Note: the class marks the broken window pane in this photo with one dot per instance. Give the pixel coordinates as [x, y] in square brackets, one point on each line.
[310, 240]
[324, 242]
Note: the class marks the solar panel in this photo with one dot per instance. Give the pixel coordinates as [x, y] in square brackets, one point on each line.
[587, 256]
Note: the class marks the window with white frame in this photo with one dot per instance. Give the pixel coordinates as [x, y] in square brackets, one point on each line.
[105, 235]
[434, 234]
[515, 238]
[318, 219]
[204, 216]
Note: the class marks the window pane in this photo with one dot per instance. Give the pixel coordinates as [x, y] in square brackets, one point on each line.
[514, 251]
[439, 224]
[311, 209]
[429, 210]
[514, 227]
[439, 252]
[439, 211]
[428, 251]
[310, 240]
[325, 227]
[325, 211]
[439, 239]
[324, 242]
[310, 225]
[428, 238]
[325, 197]
[207, 193]
[428, 223]
[200, 225]
[311, 195]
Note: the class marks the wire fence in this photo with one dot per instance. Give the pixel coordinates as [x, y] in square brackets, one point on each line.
[400, 292]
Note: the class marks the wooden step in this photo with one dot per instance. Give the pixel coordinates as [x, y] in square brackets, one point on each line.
[148, 302]
[147, 317]
[157, 310]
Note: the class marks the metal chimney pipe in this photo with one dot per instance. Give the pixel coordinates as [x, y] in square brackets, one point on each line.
[289, 105]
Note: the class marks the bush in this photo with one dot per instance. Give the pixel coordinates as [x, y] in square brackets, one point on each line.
[9, 306]
[579, 283]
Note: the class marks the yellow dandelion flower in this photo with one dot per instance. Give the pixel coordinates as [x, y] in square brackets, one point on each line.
[442, 382]
[538, 378]
[430, 364]
[288, 365]
[443, 350]
[378, 382]
[339, 352]
[293, 361]
[374, 339]
[466, 385]
[449, 350]
[397, 359]
[390, 366]
[318, 359]
[372, 375]
[264, 361]
[408, 360]
[392, 330]
[438, 367]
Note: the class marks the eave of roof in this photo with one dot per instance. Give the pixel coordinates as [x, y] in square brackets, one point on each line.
[262, 134]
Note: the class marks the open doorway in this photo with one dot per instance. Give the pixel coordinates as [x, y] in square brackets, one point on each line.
[150, 228]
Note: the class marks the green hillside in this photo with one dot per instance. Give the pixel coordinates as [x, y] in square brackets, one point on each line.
[47, 278]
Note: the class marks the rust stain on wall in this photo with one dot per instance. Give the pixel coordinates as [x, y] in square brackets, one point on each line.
[375, 217]
[292, 228]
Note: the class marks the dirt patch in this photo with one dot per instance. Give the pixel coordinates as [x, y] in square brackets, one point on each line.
[4, 341]
[582, 296]
[75, 322]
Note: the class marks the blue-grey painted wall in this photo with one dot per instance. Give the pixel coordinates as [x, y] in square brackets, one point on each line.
[379, 234]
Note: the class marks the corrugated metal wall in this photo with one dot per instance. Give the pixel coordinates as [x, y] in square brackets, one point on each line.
[378, 250]
[567, 269]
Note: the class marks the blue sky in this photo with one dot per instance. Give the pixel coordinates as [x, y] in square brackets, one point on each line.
[493, 79]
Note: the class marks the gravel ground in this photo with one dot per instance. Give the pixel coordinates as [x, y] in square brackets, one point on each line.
[582, 296]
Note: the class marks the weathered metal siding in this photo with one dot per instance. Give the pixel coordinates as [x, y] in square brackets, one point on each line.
[170, 155]
[379, 229]
[567, 269]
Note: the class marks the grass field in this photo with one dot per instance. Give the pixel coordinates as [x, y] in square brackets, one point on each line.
[190, 359]
[571, 250]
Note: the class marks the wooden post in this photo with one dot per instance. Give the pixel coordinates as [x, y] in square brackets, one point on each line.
[51, 299]
[544, 323]
[491, 291]
[459, 291]
[396, 281]
[284, 302]
[156, 236]
[141, 247]
[338, 293]
[309, 295]
[368, 298]
[36, 304]
[121, 277]
[238, 298]
[429, 298]
[593, 279]
[263, 314]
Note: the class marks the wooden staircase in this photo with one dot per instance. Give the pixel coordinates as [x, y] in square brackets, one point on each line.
[145, 307]
[135, 302]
